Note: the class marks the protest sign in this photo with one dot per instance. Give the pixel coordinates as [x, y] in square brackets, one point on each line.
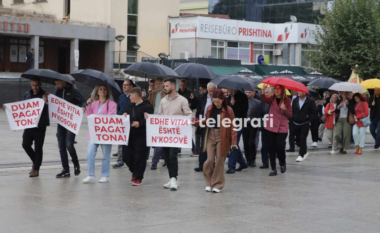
[106, 129]
[64, 113]
[24, 114]
[169, 131]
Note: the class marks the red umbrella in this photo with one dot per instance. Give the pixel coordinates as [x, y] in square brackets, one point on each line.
[287, 83]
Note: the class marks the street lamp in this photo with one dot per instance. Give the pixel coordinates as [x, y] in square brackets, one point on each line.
[136, 47]
[162, 56]
[119, 38]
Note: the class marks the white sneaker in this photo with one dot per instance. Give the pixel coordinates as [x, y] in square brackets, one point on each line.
[89, 179]
[167, 185]
[333, 152]
[173, 184]
[208, 189]
[104, 180]
[216, 191]
[305, 156]
[314, 144]
[299, 159]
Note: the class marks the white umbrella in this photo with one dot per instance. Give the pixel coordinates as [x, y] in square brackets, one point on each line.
[346, 86]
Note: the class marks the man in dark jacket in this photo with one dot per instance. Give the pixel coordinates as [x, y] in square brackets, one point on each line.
[30, 59]
[134, 155]
[265, 137]
[124, 102]
[374, 104]
[36, 134]
[204, 102]
[65, 137]
[189, 95]
[238, 101]
[304, 112]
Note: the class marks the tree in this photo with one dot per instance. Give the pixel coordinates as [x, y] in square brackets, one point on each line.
[349, 35]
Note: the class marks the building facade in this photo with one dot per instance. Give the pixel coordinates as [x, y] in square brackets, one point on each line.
[194, 6]
[249, 42]
[64, 30]
[270, 11]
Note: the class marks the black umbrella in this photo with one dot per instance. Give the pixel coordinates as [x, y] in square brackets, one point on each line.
[313, 92]
[315, 75]
[253, 77]
[234, 82]
[92, 78]
[195, 71]
[324, 83]
[150, 70]
[45, 76]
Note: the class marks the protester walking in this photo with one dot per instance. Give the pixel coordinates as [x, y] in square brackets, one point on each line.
[30, 59]
[281, 110]
[250, 132]
[134, 155]
[331, 119]
[155, 98]
[314, 126]
[37, 134]
[265, 133]
[124, 102]
[100, 103]
[173, 104]
[218, 141]
[65, 137]
[361, 118]
[204, 102]
[325, 101]
[342, 132]
[374, 103]
[238, 101]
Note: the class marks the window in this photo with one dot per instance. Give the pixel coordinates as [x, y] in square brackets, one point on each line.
[133, 7]
[304, 50]
[217, 49]
[239, 51]
[265, 50]
[18, 1]
[132, 30]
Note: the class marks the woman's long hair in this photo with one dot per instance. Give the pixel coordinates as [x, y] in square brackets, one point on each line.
[95, 96]
[361, 97]
[219, 94]
[283, 94]
[337, 98]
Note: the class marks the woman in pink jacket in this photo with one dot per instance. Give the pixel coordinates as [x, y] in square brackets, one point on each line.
[277, 126]
[361, 111]
[100, 103]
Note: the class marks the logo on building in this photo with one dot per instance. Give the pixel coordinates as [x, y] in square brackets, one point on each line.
[305, 33]
[184, 28]
[14, 27]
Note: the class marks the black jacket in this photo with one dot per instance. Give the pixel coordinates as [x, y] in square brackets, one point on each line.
[44, 120]
[136, 113]
[186, 94]
[375, 110]
[72, 95]
[241, 105]
[351, 108]
[201, 105]
[308, 112]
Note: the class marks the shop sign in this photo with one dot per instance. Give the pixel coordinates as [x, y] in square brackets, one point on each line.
[14, 27]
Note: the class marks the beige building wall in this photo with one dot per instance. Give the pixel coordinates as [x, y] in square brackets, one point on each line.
[153, 26]
[119, 21]
[94, 12]
[198, 7]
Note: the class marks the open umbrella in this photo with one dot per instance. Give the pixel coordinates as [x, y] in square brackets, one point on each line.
[262, 84]
[195, 71]
[254, 77]
[314, 75]
[291, 75]
[346, 86]
[92, 78]
[234, 82]
[324, 83]
[287, 83]
[150, 70]
[371, 83]
[313, 92]
[45, 76]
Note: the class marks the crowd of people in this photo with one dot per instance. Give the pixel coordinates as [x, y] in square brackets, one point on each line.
[342, 117]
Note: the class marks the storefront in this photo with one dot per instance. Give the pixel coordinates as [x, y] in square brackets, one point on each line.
[59, 47]
[249, 42]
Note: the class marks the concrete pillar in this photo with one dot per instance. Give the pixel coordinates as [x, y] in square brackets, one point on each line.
[298, 54]
[74, 45]
[292, 53]
[285, 54]
[35, 44]
[109, 57]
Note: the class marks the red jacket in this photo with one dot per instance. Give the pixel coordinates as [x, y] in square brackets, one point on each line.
[330, 118]
[361, 111]
[279, 117]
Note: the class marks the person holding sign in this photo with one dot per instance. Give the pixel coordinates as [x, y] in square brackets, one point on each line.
[65, 137]
[172, 104]
[100, 103]
[134, 155]
[217, 140]
[36, 134]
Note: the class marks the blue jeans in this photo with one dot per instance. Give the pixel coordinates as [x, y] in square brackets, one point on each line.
[236, 155]
[157, 154]
[362, 135]
[375, 131]
[91, 153]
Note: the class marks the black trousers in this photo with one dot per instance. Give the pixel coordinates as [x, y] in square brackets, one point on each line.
[171, 160]
[265, 144]
[66, 143]
[249, 141]
[292, 135]
[301, 132]
[202, 155]
[277, 143]
[38, 136]
[314, 130]
[134, 155]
